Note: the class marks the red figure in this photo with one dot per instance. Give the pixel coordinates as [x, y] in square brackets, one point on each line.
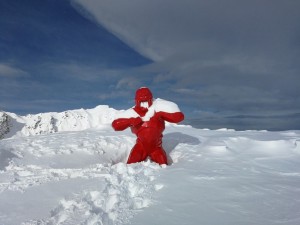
[147, 120]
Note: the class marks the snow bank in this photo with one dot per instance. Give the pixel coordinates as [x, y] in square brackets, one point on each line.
[45, 123]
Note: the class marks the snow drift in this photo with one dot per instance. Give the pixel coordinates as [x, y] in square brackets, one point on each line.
[52, 122]
[68, 168]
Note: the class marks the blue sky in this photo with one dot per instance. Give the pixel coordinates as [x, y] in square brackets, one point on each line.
[53, 58]
[231, 64]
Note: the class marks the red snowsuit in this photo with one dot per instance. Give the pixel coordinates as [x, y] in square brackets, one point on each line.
[149, 132]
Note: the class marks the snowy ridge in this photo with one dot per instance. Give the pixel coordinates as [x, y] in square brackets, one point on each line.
[71, 120]
[52, 122]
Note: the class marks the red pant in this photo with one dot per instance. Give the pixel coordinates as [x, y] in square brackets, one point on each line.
[148, 145]
[139, 153]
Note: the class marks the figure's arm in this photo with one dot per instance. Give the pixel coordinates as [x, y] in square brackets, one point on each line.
[175, 117]
[123, 123]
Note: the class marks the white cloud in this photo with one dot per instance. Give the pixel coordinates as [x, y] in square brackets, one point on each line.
[112, 95]
[10, 71]
[128, 83]
[153, 28]
[82, 71]
[160, 29]
[189, 39]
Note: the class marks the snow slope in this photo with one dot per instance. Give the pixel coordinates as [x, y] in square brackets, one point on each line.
[73, 172]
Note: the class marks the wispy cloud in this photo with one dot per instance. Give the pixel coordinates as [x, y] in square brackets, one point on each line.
[10, 71]
[81, 71]
[160, 30]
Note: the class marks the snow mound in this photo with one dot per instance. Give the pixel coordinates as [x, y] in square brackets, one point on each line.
[52, 122]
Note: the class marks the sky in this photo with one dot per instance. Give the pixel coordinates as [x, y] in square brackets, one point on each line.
[232, 64]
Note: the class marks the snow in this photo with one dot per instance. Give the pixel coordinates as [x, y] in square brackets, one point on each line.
[69, 168]
[44, 123]
[159, 105]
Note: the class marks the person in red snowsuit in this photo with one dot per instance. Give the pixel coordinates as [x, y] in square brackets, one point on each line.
[147, 121]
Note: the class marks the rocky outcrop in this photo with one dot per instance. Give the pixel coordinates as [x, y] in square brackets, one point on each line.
[4, 124]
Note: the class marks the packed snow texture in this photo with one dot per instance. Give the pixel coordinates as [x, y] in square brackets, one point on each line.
[69, 168]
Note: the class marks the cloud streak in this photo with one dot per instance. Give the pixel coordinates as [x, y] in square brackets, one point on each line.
[163, 29]
[10, 71]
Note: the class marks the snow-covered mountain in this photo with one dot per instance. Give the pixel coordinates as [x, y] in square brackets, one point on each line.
[69, 168]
